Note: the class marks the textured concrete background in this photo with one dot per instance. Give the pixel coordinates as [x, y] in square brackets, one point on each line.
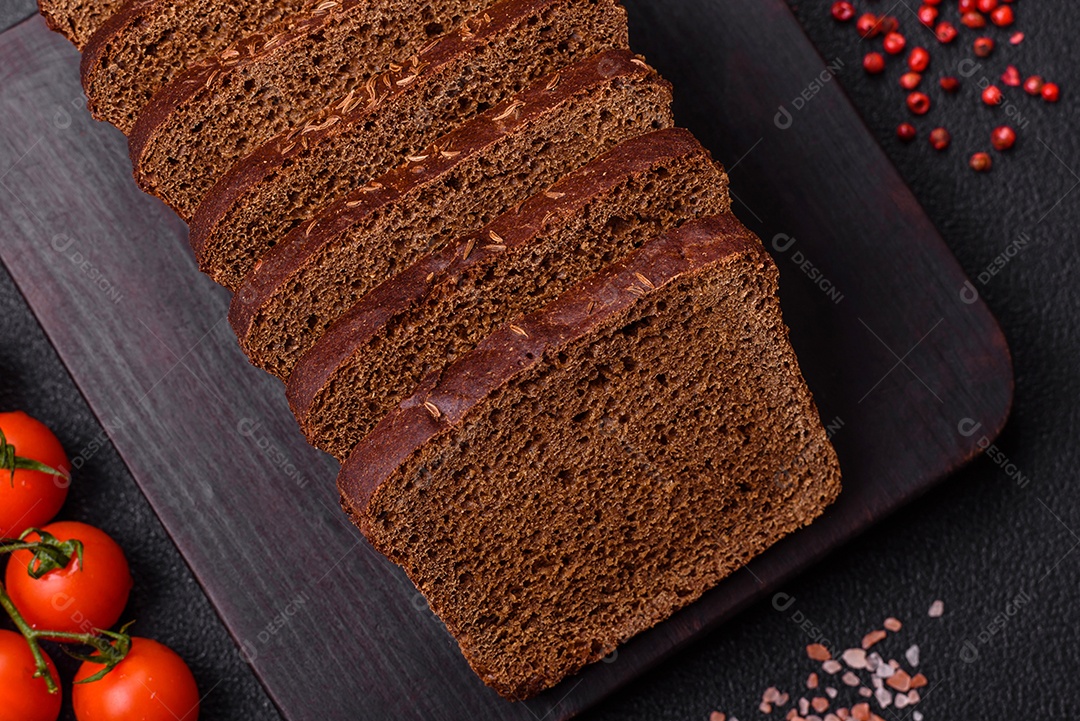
[999, 553]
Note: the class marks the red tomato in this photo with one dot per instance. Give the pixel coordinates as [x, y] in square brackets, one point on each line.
[152, 683]
[78, 598]
[23, 697]
[36, 497]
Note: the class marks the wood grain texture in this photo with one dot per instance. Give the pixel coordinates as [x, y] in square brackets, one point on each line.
[332, 629]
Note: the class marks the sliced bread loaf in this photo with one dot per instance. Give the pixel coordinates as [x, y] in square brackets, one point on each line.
[305, 283]
[77, 20]
[587, 471]
[148, 42]
[285, 183]
[223, 109]
[418, 322]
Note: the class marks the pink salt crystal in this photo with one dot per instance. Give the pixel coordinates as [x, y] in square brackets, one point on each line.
[855, 658]
[936, 609]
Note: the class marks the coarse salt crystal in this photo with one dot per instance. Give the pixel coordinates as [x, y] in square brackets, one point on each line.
[812, 681]
[831, 666]
[901, 700]
[893, 624]
[831, 692]
[873, 637]
[884, 671]
[865, 692]
[912, 655]
[917, 716]
[855, 658]
[883, 697]
[717, 716]
[850, 679]
[937, 608]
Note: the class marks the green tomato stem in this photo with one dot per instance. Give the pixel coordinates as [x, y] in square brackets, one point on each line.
[109, 653]
[31, 637]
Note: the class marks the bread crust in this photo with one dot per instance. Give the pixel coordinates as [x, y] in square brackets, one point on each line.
[363, 321]
[263, 48]
[279, 265]
[266, 162]
[464, 384]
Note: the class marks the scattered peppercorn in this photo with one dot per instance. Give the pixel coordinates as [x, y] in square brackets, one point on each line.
[967, 6]
[950, 84]
[843, 11]
[983, 47]
[874, 63]
[980, 162]
[986, 6]
[1033, 85]
[1003, 137]
[1016, 38]
[927, 14]
[1050, 92]
[867, 25]
[906, 132]
[992, 95]
[939, 138]
[910, 81]
[888, 24]
[946, 32]
[918, 103]
[973, 20]
[919, 59]
[894, 43]
[1002, 17]
[1011, 77]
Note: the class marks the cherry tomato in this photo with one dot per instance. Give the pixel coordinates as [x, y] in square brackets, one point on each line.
[80, 597]
[152, 683]
[35, 497]
[23, 697]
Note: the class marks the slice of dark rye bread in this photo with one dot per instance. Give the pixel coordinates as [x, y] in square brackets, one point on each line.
[148, 42]
[418, 322]
[287, 181]
[587, 471]
[223, 109]
[77, 19]
[305, 283]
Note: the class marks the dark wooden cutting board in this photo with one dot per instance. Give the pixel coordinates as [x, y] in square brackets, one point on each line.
[909, 368]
